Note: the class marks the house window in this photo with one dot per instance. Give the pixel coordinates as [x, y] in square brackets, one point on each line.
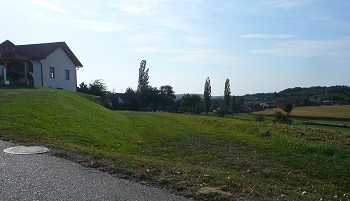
[67, 74]
[52, 72]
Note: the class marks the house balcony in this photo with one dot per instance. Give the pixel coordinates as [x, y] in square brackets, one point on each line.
[16, 73]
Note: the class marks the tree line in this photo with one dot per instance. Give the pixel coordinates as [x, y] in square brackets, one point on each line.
[145, 98]
[149, 98]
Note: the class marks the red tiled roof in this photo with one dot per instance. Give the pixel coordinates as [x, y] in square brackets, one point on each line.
[41, 51]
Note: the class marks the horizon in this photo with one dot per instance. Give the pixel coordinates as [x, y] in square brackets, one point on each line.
[219, 96]
[262, 46]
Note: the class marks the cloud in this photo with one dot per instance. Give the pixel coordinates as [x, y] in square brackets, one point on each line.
[39, 14]
[91, 13]
[199, 56]
[158, 13]
[158, 49]
[196, 1]
[98, 26]
[286, 4]
[139, 7]
[268, 36]
[196, 40]
[210, 56]
[83, 24]
[150, 38]
[307, 48]
[47, 5]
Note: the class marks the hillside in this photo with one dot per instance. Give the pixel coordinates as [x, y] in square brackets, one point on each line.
[200, 157]
[306, 96]
[59, 117]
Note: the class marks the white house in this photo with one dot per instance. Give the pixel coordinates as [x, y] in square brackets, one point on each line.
[46, 64]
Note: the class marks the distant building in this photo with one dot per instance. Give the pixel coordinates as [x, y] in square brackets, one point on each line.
[126, 101]
[268, 105]
[46, 64]
[327, 103]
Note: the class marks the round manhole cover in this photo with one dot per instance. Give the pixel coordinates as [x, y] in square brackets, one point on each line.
[26, 150]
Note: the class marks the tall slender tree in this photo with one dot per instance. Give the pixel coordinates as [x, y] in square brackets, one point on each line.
[143, 76]
[207, 94]
[227, 94]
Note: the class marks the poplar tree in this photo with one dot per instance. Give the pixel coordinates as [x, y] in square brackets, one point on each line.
[227, 94]
[207, 94]
[143, 76]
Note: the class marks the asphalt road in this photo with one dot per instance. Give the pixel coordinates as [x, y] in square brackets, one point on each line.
[44, 177]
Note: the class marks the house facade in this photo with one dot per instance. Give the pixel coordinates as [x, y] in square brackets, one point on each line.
[47, 64]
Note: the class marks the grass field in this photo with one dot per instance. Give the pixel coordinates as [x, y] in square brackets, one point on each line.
[325, 112]
[204, 158]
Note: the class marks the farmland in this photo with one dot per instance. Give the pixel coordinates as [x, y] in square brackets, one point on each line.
[320, 112]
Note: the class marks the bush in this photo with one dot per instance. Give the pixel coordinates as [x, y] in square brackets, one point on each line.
[221, 112]
[282, 119]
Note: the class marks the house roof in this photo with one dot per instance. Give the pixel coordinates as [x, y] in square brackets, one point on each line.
[125, 97]
[42, 50]
[9, 55]
[7, 43]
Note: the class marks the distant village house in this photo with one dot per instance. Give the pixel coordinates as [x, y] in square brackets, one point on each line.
[46, 64]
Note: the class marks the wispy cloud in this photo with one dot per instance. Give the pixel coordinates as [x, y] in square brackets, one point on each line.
[137, 9]
[158, 49]
[286, 4]
[39, 14]
[158, 13]
[87, 12]
[94, 25]
[196, 40]
[137, 6]
[268, 36]
[199, 56]
[210, 56]
[97, 26]
[87, 17]
[303, 48]
[48, 5]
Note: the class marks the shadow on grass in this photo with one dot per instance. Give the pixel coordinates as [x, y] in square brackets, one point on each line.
[17, 86]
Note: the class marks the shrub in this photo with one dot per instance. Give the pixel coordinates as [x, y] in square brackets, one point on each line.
[221, 112]
[282, 119]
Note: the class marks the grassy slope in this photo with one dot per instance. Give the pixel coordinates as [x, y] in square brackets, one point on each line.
[186, 152]
[333, 111]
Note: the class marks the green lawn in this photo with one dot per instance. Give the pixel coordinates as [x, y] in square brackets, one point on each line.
[185, 153]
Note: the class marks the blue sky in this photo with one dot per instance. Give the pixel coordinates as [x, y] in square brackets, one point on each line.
[260, 45]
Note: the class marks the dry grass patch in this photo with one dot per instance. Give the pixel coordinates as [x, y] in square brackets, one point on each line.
[327, 112]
